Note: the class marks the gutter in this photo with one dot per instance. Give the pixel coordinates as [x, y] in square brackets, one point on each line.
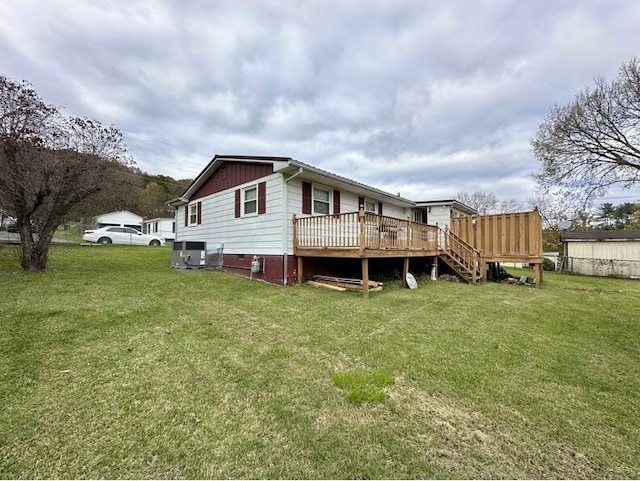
[285, 225]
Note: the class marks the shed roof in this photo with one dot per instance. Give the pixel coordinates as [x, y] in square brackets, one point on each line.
[601, 235]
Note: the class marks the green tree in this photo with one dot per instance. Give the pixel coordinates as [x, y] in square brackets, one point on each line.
[605, 215]
[623, 213]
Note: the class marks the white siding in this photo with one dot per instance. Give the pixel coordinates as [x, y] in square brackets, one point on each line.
[610, 249]
[164, 227]
[121, 218]
[348, 203]
[440, 215]
[257, 234]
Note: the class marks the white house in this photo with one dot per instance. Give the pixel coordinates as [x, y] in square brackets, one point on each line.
[247, 204]
[122, 218]
[439, 212]
[603, 253]
[162, 226]
[278, 214]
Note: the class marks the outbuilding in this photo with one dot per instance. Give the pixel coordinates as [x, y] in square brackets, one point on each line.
[608, 253]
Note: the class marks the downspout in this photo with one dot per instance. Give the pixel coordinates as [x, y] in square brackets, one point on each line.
[285, 225]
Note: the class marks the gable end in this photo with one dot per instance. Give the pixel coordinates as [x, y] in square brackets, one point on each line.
[232, 174]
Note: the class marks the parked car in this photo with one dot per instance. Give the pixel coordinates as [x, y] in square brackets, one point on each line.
[122, 235]
[13, 227]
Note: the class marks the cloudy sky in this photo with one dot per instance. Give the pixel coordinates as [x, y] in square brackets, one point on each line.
[426, 98]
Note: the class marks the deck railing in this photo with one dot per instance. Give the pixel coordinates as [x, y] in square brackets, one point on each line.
[363, 230]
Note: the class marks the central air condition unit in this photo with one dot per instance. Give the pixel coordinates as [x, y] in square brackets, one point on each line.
[189, 255]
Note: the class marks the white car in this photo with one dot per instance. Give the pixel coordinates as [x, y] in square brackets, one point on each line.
[122, 235]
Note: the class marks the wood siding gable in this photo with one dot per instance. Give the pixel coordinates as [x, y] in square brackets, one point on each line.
[232, 174]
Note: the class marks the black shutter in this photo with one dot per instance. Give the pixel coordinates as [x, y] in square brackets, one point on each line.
[199, 212]
[306, 198]
[237, 202]
[379, 208]
[360, 202]
[186, 215]
[262, 197]
[336, 201]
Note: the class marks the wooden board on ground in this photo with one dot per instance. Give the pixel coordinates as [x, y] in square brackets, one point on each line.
[327, 285]
[342, 283]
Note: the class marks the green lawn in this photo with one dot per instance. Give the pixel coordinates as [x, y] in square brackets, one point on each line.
[113, 365]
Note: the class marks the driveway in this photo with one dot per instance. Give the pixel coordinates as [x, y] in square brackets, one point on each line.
[14, 238]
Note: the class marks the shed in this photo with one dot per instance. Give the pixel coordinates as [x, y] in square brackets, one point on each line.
[609, 253]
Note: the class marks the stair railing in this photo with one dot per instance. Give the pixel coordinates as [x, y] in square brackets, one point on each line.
[463, 254]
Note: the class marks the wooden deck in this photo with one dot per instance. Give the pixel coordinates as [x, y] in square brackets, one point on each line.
[467, 247]
[360, 234]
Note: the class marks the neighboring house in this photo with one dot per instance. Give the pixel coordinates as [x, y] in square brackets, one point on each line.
[162, 226]
[122, 218]
[439, 212]
[611, 253]
[286, 215]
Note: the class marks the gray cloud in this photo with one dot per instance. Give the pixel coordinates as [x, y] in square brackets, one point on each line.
[426, 98]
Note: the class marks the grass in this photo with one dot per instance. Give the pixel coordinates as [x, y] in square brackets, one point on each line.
[363, 386]
[112, 365]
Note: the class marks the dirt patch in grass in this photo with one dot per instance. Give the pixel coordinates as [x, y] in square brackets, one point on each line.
[463, 441]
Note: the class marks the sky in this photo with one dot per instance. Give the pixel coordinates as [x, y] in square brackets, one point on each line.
[423, 98]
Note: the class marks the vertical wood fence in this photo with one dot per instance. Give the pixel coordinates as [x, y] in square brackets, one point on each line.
[502, 236]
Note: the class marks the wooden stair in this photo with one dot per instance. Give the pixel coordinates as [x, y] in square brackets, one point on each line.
[460, 256]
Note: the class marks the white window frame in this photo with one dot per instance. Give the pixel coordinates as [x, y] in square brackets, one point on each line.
[329, 200]
[375, 205]
[193, 213]
[244, 201]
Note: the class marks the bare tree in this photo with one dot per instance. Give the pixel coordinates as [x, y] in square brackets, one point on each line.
[557, 205]
[483, 202]
[48, 164]
[593, 142]
[510, 204]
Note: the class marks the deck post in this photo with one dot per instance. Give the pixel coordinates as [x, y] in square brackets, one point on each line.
[365, 277]
[300, 272]
[405, 271]
[538, 274]
[361, 234]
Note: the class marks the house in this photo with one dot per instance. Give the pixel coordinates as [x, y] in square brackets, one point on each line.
[163, 226]
[611, 253]
[291, 219]
[122, 218]
[439, 212]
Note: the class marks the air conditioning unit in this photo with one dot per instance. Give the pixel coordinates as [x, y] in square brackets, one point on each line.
[195, 255]
[189, 255]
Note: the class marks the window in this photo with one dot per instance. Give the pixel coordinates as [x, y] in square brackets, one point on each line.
[193, 214]
[155, 227]
[370, 206]
[321, 201]
[250, 200]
